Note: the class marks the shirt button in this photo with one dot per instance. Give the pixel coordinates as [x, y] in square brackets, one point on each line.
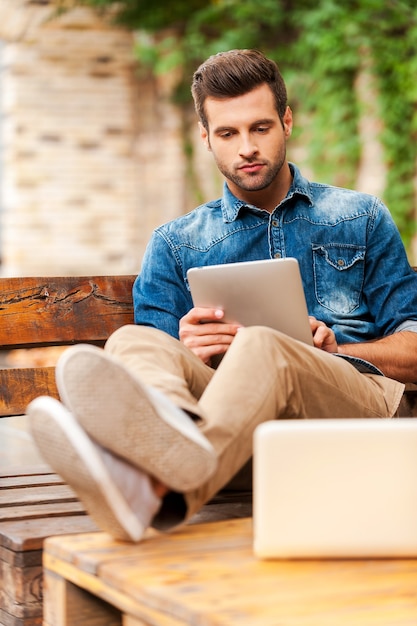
[275, 223]
[340, 262]
[277, 255]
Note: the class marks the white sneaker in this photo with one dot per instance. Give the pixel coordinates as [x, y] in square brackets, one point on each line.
[119, 499]
[135, 422]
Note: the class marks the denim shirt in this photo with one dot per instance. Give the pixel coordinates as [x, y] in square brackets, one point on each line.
[355, 271]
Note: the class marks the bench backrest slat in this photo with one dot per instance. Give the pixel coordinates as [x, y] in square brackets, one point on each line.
[21, 385]
[55, 311]
[63, 310]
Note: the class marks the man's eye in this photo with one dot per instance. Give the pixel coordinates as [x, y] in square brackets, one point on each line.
[226, 134]
[262, 129]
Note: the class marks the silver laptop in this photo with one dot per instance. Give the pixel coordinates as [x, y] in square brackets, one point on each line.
[335, 488]
[266, 293]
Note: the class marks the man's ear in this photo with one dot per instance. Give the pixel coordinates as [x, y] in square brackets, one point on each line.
[204, 136]
[287, 122]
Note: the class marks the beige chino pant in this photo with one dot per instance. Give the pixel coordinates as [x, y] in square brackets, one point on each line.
[264, 375]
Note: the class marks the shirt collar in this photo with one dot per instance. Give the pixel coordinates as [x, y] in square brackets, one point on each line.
[231, 205]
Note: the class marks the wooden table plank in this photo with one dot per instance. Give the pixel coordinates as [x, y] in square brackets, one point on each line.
[208, 574]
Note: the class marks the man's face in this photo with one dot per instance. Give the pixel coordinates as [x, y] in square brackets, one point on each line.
[247, 139]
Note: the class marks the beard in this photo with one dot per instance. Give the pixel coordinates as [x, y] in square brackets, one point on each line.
[253, 181]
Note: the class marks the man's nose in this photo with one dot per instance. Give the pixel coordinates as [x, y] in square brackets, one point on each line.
[248, 147]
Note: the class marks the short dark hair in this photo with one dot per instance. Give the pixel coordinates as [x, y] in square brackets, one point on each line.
[234, 73]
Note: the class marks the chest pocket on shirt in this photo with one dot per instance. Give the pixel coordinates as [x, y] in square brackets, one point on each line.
[338, 276]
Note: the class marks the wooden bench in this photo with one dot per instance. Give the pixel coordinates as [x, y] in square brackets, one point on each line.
[39, 312]
[42, 312]
[34, 502]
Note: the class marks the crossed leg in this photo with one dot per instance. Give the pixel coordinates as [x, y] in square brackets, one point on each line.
[149, 401]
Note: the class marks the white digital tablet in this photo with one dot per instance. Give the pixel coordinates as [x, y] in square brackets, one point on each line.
[264, 293]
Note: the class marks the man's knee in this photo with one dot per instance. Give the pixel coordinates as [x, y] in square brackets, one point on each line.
[263, 337]
[133, 334]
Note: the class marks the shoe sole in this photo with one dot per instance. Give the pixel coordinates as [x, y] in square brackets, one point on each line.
[69, 451]
[139, 425]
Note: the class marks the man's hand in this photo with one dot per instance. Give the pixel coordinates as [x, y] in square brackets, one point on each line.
[203, 331]
[323, 336]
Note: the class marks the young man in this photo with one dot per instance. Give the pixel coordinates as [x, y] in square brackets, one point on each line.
[148, 431]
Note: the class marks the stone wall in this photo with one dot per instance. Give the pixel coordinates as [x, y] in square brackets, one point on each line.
[91, 154]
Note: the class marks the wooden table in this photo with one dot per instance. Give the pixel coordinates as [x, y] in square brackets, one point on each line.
[207, 574]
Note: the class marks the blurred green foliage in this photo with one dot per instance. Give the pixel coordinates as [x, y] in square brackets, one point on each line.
[321, 46]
